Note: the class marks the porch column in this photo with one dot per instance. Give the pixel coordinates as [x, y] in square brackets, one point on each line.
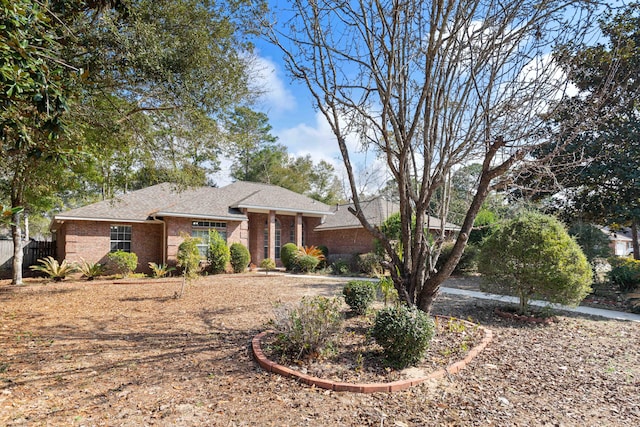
[272, 235]
[298, 229]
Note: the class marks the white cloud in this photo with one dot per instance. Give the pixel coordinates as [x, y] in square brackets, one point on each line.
[276, 95]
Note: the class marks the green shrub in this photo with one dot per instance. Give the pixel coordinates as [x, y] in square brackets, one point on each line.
[388, 290]
[359, 295]
[340, 267]
[625, 273]
[309, 328]
[403, 333]
[188, 257]
[533, 256]
[593, 242]
[123, 263]
[218, 254]
[160, 270]
[484, 224]
[307, 263]
[53, 269]
[325, 254]
[268, 265]
[90, 270]
[468, 261]
[370, 265]
[287, 256]
[240, 257]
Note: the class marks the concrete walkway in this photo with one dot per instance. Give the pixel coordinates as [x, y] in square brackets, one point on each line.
[609, 314]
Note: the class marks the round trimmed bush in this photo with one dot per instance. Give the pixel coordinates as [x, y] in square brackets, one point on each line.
[359, 295]
[404, 333]
[240, 257]
[122, 262]
[533, 256]
[287, 255]
[307, 263]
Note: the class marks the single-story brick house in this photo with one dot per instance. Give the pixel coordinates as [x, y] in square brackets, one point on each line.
[151, 222]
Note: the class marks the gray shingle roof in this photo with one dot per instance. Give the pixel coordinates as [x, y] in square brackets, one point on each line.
[376, 211]
[201, 202]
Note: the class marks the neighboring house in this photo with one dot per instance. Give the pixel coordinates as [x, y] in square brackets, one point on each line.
[343, 234]
[620, 241]
[153, 221]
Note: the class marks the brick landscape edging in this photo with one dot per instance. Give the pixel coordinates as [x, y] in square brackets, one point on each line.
[452, 369]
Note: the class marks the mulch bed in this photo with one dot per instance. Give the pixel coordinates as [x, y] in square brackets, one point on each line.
[105, 354]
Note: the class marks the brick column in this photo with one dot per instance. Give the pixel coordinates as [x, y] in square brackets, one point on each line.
[298, 229]
[272, 235]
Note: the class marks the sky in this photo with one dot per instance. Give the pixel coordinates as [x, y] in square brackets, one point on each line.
[290, 110]
[294, 121]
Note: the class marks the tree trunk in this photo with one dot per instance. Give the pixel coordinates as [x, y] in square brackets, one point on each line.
[634, 239]
[16, 233]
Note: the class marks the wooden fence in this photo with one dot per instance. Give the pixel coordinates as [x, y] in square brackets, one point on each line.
[32, 252]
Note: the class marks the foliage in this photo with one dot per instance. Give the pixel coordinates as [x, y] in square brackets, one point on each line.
[53, 269]
[287, 255]
[90, 270]
[307, 263]
[239, 257]
[218, 253]
[308, 329]
[625, 272]
[459, 95]
[121, 262]
[370, 264]
[160, 270]
[307, 258]
[7, 214]
[188, 256]
[340, 267]
[468, 261]
[388, 290]
[483, 225]
[603, 185]
[593, 242]
[534, 256]
[268, 265]
[403, 333]
[359, 295]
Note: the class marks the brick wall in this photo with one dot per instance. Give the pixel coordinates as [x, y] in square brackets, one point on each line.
[91, 241]
[345, 242]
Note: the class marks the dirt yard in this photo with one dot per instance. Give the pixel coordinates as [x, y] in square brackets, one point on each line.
[127, 353]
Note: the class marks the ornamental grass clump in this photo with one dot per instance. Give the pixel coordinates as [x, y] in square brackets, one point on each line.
[404, 333]
[53, 269]
[359, 295]
[160, 270]
[309, 328]
[90, 270]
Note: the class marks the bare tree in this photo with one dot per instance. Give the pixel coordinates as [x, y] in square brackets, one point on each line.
[433, 86]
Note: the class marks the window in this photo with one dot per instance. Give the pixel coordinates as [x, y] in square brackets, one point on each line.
[266, 239]
[200, 229]
[292, 233]
[120, 238]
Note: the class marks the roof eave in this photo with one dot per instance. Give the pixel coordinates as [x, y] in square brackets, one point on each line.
[308, 212]
[202, 216]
